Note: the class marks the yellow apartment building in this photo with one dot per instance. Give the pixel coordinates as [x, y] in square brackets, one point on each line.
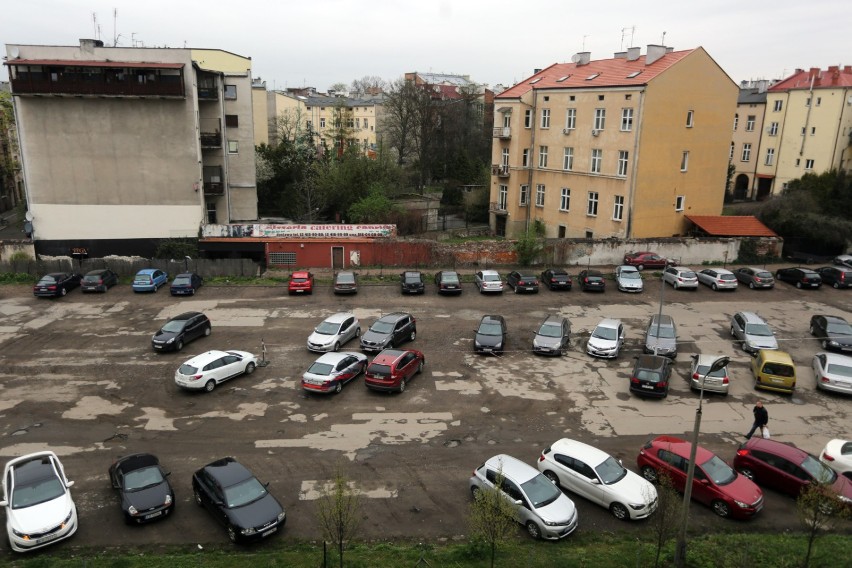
[745, 142]
[622, 147]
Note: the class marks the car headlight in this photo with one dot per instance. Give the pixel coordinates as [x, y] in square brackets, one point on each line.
[168, 500]
[553, 523]
[834, 343]
[741, 505]
[20, 534]
[172, 340]
[477, 344]
[281, 516]
[637, 506]
[248, 531]
[132, 510]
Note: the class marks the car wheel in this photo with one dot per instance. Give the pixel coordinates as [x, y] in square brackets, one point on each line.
[836, 285]
[640, 267]
[799, 285]
[250, 368]
[649, 473]
[210, 385]
[552, 477]
[747, 473]
[751, 285]
[619, 511]
[63, 291]
[357, 332]
[338, 387]
[402, 385]
[474, 491]
[714, 287]
[515, 288]
[197, 496]
[413, 335]
[232, 534]
[721, 508]
[674, 285]
[207, 331]
[533, 529]
[179, 345]
[336, 346]
[420, 366]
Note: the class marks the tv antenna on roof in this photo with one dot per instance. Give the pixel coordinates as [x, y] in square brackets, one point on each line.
[584, 42]
[663, 40]
[623, 33]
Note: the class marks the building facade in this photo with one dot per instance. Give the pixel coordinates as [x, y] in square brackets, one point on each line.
[122, 148]
[745, 141]
[622, 147]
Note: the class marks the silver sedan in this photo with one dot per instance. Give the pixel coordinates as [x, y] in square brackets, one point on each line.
[833, 372]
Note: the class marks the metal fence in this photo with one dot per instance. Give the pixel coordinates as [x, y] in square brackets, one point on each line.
[130, 266]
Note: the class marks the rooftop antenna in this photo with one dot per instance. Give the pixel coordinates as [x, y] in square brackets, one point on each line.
[114, 35]
[133, 39]
[95, 23]
[584, 43]
[632, 31]
[663, 40]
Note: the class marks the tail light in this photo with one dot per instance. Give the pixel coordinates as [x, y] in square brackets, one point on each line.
[824, 380]
[742, 452]
[553, 279]
[195, 377]
[663, 384]
[51, 287]
[696, 376]
[586, 280]
[634, 380]
[824, 455]
[725, 381]
[100, 282]
[541, 458]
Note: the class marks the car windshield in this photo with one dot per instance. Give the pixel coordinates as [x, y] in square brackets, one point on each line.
[718, 471]
[450, 278]
[687, 274]
[550, 330]
[142, 279]
[839, 328]
[662, 331]
[328, 328]
[490, 277]
[763, 275]
[182, 281]
[720, 373]
[244, 493]
[187, 369]
[541, 491]
[345, 278]
[37, 491]
[47, 280]
[839, 370]
[630, 275]
[490, 328]
[142, 478]
[611, 471]
[320, 368]
[609, 333]
[174, 326]
[92, 278]
[381, 327]
[819, 470]
[759, 329]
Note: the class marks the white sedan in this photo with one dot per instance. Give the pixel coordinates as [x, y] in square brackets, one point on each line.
[205, 371]
[39, 508]
[833, 372]
[718, 278]
[837, 455]
[331, 371]
[600, 478]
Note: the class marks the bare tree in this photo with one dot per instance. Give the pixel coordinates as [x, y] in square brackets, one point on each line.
[368, 85]
[338, 89]
[665, 520]
[819, 508]
[339, 511]
[342, 130]
[491, 517]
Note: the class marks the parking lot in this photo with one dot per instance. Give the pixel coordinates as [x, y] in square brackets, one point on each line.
[79, 377]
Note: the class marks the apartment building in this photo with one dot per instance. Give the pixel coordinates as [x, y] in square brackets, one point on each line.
[122, 148]
[624, 147]
[809, 127]
[745, 142]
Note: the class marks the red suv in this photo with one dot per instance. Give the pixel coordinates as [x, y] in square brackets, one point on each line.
[645, 260]
[393, 368]
[715, 484]
[786, 468]
[301, 283]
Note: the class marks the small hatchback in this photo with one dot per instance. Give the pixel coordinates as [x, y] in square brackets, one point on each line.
[754, 277]
[799, 276]
[552, 337]
[699, 373]
[301, 282]
[836, 276]
[345, 282]
[335, 331]
[606, 339]
[753, 332]
[411, 282]
[98, 280]
[537, 503]
[393, 368]
[661, 336]
[834, 332]
[389, 331]
[180, 330]
[718, 279]
[205, 371]
[522, 282]
[680, 277]
[149, 280]
[186, 284]
[490, 335]
[773, 370]
[651, 376]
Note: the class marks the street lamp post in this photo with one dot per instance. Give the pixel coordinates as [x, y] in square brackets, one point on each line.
[680, 550]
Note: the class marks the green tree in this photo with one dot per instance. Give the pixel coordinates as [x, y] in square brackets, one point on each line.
[530, 245]
[491, 518]
[341, 133]
[665, 520]
[374, 208]
[819, 509]
[339, 511]
[281, 167]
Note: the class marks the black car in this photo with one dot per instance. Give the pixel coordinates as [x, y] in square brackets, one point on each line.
[180, 330]
[837, 276]
[238, 500]
[411, 282]
[651, 375]
[556, 279]
[834, 333]
[490, 335]
[389, 331]
[591, 280]
[448, 282]
[186, 284]
[143, 488]
[98, 280]
[56, 284]
[801, 277]
[345, 282]
[522, 282]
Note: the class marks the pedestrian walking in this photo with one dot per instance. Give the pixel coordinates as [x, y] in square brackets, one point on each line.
[761, 419]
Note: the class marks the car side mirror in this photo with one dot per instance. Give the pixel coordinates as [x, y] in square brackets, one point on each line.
[704, 481]
[69, 483]
[115, 485]
[596, 481]
[266, 485]
[4, 503]
[166, 473]
[519, 502]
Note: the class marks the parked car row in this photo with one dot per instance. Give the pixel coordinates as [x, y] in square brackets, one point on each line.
[58, 284]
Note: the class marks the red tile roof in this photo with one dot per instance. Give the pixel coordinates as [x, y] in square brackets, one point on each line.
[833, 78]
[610, 73]
[731, 226]
[86, 63]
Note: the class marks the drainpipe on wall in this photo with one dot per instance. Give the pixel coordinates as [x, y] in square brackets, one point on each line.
[532, 161]
[632, 189]
[808, 115]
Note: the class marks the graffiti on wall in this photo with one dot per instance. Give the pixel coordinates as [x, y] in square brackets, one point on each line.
[303, 231]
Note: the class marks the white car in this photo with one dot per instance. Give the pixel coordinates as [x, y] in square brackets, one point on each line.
[837, 455]
[606, 339]
[205, 371]
[718, 279]
[833, 372]
[39, 508]
[628, 278]
[680, 277]
[599, 477]
[488, 281]
[335, 331]
[332, 370]
[844, 260]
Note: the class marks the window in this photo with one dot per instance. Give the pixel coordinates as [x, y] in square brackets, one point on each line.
[736, 121]
[358, 123]
[600, 97]
[804, 129]
[773, 129]
[684, 161]
[750, 123]
[808, 102]
[322, 122]
[542, 156]
[690, 115]
[232, 120]
[568, 160]
[600, 118]
[507, 119]
[539, 195]
[589, 234]
[618, 208]
[770, 156]
[565, 199]
[571, 119]
[233, 147]
[365, 123]
[525, 157]
[746, 152]
[562, 231]
[809, 164]
[818, 101]
[622, 163]
[231, 92]
[504, 157]
[528, 118]
[813, 130]
[679, 202]
[592, 204]
[626, 119]
[731, 153]
[597, 158]
[798, 162]
[778, 105]
[545, 118]
[502, 197]
[279, 258]
[525, 195]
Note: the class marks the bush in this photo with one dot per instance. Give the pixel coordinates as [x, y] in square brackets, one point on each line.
[177, 249]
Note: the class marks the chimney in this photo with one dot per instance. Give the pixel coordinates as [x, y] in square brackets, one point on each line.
[814, 75]
[619, 55]
[847, 69]
[633, 53]
[89, 45]
[762, 85]
[654, 53]
[582, 58]
[536, 71]
[669, 49]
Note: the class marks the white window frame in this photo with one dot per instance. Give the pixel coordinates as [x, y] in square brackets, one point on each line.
[592, 204]
[746, 154]
[542, 156]
[773, 129]
[525, 157]
[528, 118]
[565, 199]
[684, 161]
[570, 119]
[750, 120]
[524, 197]
[322, 122]
[503, 197]
[770, 156]
[623, 158]
[539, 195]
[545, 118]
[736, 121]
[600, 118]
[680, 200]
[732, 151]
[690, 118]
[618, 208]
[504, 157]
[809, 164]
[233, 146]
[627, 119]
[597, 161]
[779, 106]
[568, 159]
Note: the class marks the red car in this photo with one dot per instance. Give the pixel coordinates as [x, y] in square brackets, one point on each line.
[786, 468]
[642, 260]
[393, 368]
[301, 283]
[715, 484]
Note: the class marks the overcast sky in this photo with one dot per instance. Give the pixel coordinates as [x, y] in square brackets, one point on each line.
[316, 43]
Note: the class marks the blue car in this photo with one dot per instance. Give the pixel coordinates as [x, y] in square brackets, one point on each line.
[149, 280]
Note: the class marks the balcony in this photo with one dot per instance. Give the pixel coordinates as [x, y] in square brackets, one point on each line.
[211, 133]
[96, 79]
[213, 181]
[503, 132]
[497, 208]
[500, 171]
[208, 93]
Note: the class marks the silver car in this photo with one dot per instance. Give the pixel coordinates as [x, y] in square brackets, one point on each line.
[488, 281]
[628, 278]
[833, 372]
[755, 335]
[538, 504]
[552, 336]
[606, 339]
[661, 336]
[718, 279]
[680, 277]
[716, 381]
[335, 331]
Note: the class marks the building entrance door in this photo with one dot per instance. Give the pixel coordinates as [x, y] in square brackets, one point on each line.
[337, 258]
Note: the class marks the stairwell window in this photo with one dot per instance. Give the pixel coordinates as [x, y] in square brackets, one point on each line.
[542, 156]
[592, 204]
[746, 156]
[545, 118]
[626, 119]
[679, 202]
[684, 161]
[539, 195]
[600, 118]
[565, 199]
[618, 208]
[568, 159]
[525, 157]
[779, 104]
[622, 163]
[773, 129]
[528, 118]
[690, 116]
[525, 195]
[770, 156]
[809, 164]
[503, 197]
[571, 119]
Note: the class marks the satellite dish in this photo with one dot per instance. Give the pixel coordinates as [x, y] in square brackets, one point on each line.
[29, 216]
[14, 52]
[575, 58]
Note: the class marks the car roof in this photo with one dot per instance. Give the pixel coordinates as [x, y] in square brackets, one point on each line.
[719, 270]
[593, 273]
[147, 271]
[300, 274]
[584, 452]
[776, 356]
[637, 253]
[609, 322]
[836, 358]
[706, 359]
[665, 320]
[31, 457]
[756, 269]
[227, 471]
[388, 356]
[751, 317]
[558, 271]
[833, 319]
[393, 317]
[204, 358]
[491, 317]
[186, 316]
[484, 272]
[185, 275]
[339, 317]
[553, 318]
[785, 450]
[412, 273]
[681, 268]
[682, 448]
[32, 467]
[333, 357]
[627, 268]
[651, 362]
[98, 271]
[512, 468]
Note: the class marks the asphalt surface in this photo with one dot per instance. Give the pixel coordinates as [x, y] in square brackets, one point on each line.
[78, 376]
